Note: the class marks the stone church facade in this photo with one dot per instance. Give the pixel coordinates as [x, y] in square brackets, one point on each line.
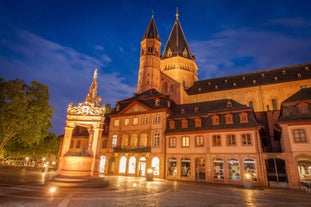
[253, 127]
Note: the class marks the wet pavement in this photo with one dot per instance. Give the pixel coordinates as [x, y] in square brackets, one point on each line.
[23, 187]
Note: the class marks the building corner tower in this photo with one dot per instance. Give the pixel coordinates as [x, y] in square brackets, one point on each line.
[149, 65]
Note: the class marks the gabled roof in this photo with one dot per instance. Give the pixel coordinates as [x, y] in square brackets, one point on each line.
[177, 44]
[152, 31]
[272, 76]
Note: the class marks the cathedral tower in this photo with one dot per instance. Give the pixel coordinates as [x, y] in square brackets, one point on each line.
[149, 67]
[177, 60]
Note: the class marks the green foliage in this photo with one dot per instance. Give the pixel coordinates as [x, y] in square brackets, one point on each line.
[25, 113]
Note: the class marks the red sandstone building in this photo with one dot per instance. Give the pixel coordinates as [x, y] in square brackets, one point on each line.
[254, 126]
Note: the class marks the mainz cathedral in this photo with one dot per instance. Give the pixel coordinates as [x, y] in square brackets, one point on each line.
[253, 127]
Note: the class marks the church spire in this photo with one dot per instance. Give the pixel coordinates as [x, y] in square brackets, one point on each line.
[177, 44]
[92, 95]
[152, 31]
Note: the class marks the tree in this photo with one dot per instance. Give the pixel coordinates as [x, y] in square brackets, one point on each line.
[25, 114]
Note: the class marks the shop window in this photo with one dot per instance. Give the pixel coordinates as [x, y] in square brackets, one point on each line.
[185, 167]
[122, 165]
[172, 142]
[155, 164]
[172, 163]
[198, 122]
[143, 140]
[184, 123]
[304, 168]
[114, 140]
[216, 140]
[299, 135]
[185, 142]
[250, 168]
[218, 165]
[156, 139]
[215, 120]
[199, 141]
[246, 139]
[234, 169]
[231, 140]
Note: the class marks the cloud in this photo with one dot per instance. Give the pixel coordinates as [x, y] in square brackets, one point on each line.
[234, 51]
[67, 72]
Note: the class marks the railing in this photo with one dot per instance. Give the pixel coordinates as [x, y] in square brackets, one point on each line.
[132, 149]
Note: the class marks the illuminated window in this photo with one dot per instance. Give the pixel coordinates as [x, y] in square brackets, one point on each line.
[185, 167]
[134, 140]
[299, 135]
[135, 120]
[126, 121]
[250, 168]
[218, 165]
[114, 140]
[246, 139]
[216, 140]
[172, 142]
[234, 169]
[143, 140]
[231, 139]
[156, 139]
[157, 119]
[172, 170]
[116, 122]
[185, 142]
[199, 141]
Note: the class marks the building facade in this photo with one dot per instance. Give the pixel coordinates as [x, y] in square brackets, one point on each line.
[220, 130]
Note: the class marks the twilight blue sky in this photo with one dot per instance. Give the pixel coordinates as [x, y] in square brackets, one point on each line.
[60, 43]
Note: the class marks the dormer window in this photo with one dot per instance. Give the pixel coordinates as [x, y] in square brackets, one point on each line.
[169, 52]
[183, 111]
[185, 52]
[184, 123]
[198, 122]
[172, 124]
[157, 102]
[229, 104]
[229, 118]
[215, 120]
[303, 108]
[118, 107]
[196, 109]
[243, 117]
[299, 75]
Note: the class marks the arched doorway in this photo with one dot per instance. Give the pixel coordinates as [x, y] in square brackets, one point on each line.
[200, 169]
[111, 165]
[276, 172]
[142, 166]
[155, 164]
[132, 165]
[122, 165]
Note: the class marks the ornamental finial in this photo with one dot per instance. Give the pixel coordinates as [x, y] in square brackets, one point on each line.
[177, 13]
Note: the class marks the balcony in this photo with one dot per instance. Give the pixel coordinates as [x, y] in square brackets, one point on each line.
[132, 149]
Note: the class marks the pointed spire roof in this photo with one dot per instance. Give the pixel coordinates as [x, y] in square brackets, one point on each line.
[92, 94]
[177, 44]
[152, 31]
